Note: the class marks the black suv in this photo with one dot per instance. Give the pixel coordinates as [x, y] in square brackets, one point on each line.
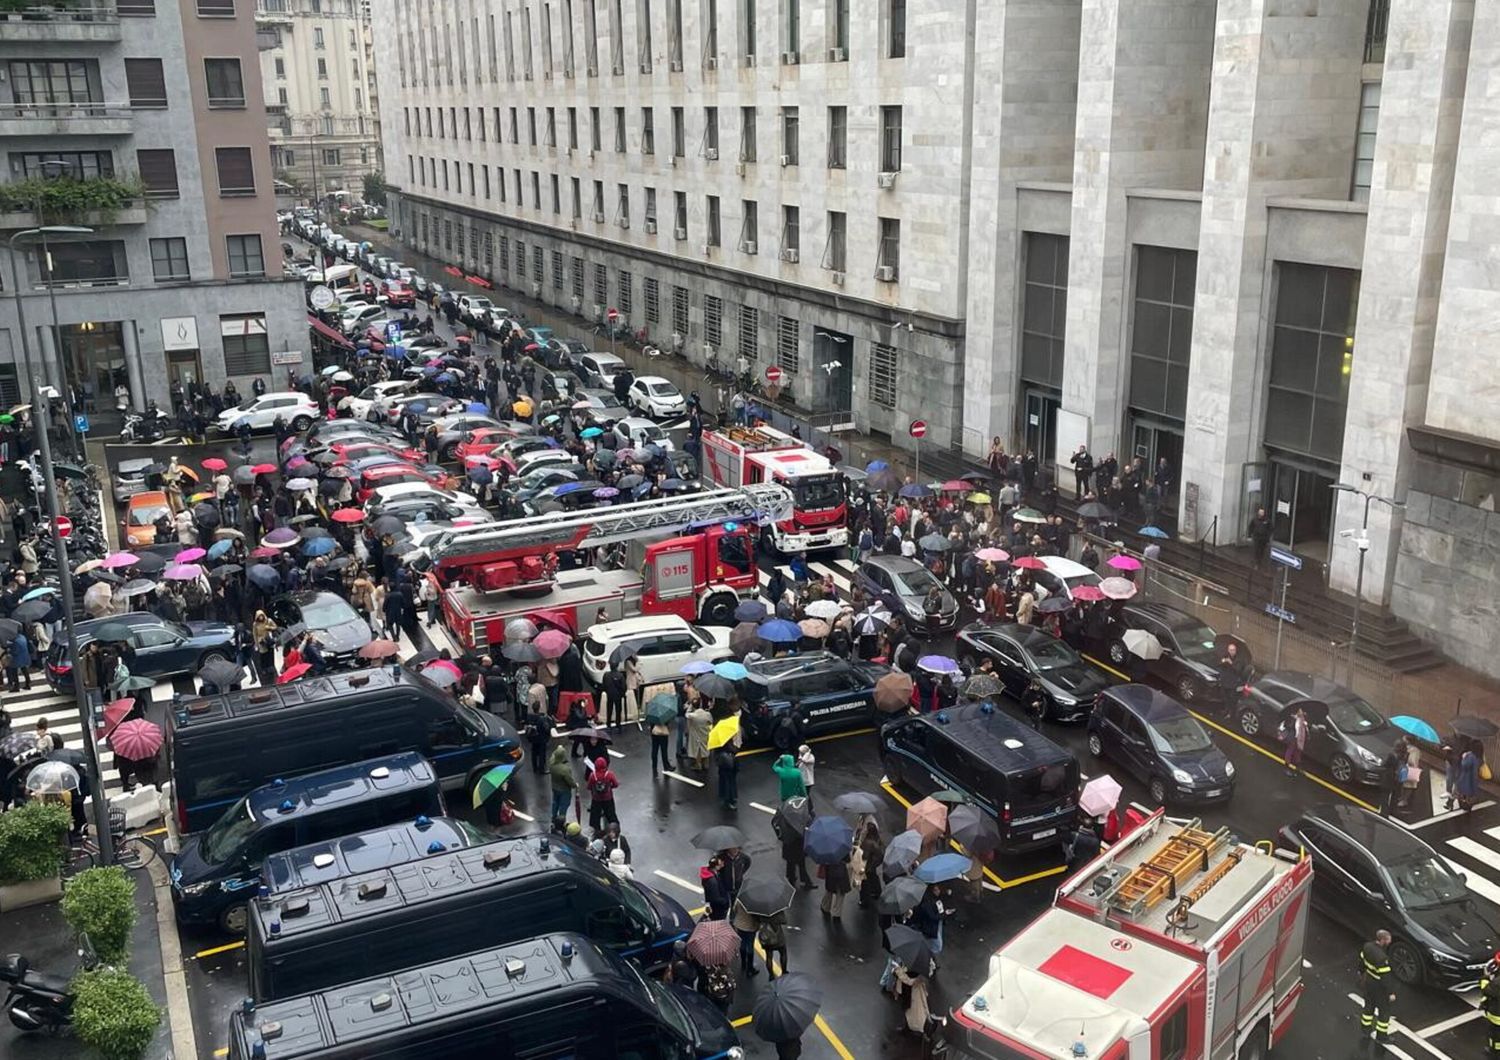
[832, 694]
[1190, 663]
[1022, 654]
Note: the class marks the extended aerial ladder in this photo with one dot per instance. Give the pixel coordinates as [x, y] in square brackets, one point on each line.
[593, 528]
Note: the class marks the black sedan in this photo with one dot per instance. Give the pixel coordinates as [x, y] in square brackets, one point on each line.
[1022, 654]
[340, 630]
[157, 648]
[1190, 650]
[1344, 732]
[1370, 873]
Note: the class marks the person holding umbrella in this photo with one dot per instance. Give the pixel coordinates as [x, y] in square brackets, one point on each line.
[789, 822]
[784, 1011]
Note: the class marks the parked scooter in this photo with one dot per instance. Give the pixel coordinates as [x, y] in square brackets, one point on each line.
[151, 426]
[39, 1001]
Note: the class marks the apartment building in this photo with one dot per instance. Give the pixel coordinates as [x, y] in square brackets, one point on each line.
[139, 125]
[1249, 242]
[318, 65]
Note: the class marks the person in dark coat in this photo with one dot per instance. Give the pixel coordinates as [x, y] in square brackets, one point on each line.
[538, 730]
[793, 852]
[715, 895]
[835, 886]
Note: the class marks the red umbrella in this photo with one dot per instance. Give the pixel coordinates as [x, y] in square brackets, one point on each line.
[264, 469]
[1028, 563]
[291, 673]
[479, 281]
[263, 552]
[713, 942]
[445, 664]
[552, 643]
[114, 713]
[213, 463]
[558, 619]
[957, 485]
[530, 346]
[1088, 593]
[137, 740]
[348, 515]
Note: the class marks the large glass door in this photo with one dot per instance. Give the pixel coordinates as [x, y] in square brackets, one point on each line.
[1039, 425]
[1154, 442]
[1302, 507]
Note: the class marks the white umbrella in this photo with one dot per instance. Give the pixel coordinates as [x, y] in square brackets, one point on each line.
[300, 485]
[51, 778]
[1142, 643]
[827, 610]
[96, 599]
[1100, 795]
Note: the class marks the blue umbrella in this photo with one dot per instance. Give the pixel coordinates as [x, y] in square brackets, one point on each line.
[479, 408]
[731, 670]
[396, 353]
[750, 611]
[219, 548]
[779, 631]
[937, 664]
[319, 546]
[914, 490]
[432, 369]
[874, 466]
[1416, 727]
[35, 593]
[829, 839]
[416, 408]
[1154, 531]
[567, 488]
[590, 432]
[444, 378]
[264, 577]
[482, 476]
[240, 424]
[943, 867]
[696, 667]
[641, 489]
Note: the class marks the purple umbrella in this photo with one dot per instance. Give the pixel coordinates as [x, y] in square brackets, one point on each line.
[284, 537]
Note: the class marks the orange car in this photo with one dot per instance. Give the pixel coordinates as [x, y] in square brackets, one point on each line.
[141, 515]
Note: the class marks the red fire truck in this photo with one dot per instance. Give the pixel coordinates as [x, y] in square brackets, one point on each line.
[1176, 942]
[498, 571]
[743, 456]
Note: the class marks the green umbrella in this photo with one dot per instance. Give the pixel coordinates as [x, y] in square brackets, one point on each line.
[661, 708]
[492, 782]
[7, 419]
[135, 684]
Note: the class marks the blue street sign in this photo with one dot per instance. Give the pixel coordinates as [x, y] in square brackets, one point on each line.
[1281, 613]
[81, 424]
[1285, 558]
[393, 333]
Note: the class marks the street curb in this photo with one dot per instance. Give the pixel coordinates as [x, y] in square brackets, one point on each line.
[179, 1012]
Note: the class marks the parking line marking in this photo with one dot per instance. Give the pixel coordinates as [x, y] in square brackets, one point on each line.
[815, 739]
[615, 754]
[989, 873]
[1398, 1027]
[685, 780]
[1253, 746]
[222, 1051]
[1447, 815]
[1480, 853]
[1447, 1025]
[763, 808]
[743, 1021]
[679, 881]
[219, 949]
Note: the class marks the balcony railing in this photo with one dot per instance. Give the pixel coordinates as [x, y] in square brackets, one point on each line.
[65, 22]
[57, 119]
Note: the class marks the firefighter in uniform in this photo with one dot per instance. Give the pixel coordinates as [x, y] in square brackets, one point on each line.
[1379, 997]
[1489, 1004]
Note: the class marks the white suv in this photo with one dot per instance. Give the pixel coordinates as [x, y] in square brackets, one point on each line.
[663, 645]
[296, 408]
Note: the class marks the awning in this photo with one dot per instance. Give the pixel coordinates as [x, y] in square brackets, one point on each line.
[328, 333]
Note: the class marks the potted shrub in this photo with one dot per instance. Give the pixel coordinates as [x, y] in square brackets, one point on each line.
[33, 846]
[100, 903]
[113, 1012]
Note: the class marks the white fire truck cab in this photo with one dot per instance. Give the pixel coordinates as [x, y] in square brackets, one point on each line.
[1175, 944]
[744, 456]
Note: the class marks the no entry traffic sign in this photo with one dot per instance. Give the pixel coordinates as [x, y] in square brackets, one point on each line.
[613, 314]
[918, 429]
[64, 525]
[773, 374]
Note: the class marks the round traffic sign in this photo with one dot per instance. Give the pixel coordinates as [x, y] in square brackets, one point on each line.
[773, 374]
[64, 525]
[321, 297]
[613, 314]
[918, 428]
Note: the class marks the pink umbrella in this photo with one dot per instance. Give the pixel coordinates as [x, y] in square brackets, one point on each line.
[445, 664]
[1117, 588]
[552, 643]
[263, 552]
[113, 713]
[1123, 563]
[1029, 563]
[182, 572]
[992, 555]
[1088, 593]
[137, 740]
[189, 555]
[116, 560]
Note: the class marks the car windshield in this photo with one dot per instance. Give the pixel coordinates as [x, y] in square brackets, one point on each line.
[1050, 654]
[664, 390]
[914, 582]
[818, 492]
[248, 403]
[148, 514]
[1421, 881]
[650, 431]
[228, 833]
[1183, 735]
[1352, 714]
[325, 611]
[1197, 641]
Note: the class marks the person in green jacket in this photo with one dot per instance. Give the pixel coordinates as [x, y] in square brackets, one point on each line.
[790, 776]
[564, 781]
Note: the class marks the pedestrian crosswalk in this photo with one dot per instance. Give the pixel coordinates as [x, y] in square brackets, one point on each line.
[840, 569]
[25, 709]
[1477, 856]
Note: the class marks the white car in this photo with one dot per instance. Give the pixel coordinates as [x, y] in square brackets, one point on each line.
[358, 405]
[293, 406]
[651, 395]
[528, 462]
[473, 308]
[356, 319]
[598, 369]
[383, 495]
[1061, 576]
[663, 645]
[634, 432]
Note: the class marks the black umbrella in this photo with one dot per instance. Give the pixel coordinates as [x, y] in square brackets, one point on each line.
[972, 830]
[901, 895]
[310, 533]
[975, 476]
[340, 562]
[264, 577]
[1095, 510]
[387, 524]
[883, 481]
[1054, 605]
[243, 475]
[786, 1007]
[619, 655]
[16, 743]
[138, 587]
[910, 947]
[291, 633]
[330, 487]
[206, 515]
[223, 571]
[221, 673]
[765, 895]
[10, 629]
[629, 482]
[795, 814]
[713, 686]
[111, 633]
[107, 576]
[302, 520]
[935, 543]
[1474, 727]
[858, 803]
[149, 563]
[32, 611]
[156, 468]
[719, 837]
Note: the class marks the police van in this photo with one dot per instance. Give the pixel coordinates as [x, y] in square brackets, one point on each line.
[379, 848]
[790, 698]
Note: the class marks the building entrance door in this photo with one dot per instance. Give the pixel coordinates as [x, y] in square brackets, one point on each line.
[833, 357]
[94, 356]
[184, 367]
[1039, 426]
[1301, 507]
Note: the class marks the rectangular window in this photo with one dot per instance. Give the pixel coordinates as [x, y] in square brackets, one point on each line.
[510, 48]
[473, 189]
[643, 34]
[169, 260]
[788, 345]
[838, 31]
[791, 232]
[318, 37]
[790, 135]
[245, 258]
[619, 130]
[749, 333]
[601, 285]
[515, 127]
[598, 200]
[890, 249]
[1312, 358]
[1364, 141]
[883, 375]
[679, 133]
[577, 270]
[216, 9]
[556, 195]
[226, 88]
[674, 34]
[834, 249]
[322, 69]
[538, 262]
[680, 310]
[713, 320]
[591, 36]
[327, 101]
[526, 41]
[710, 34]
[890, 139]
[145, 83]
[652, 289]
[747, 31]
[710, 133]
[504, 254]
[531, 126]
[557, 270]
[247, 347]
[895, 30]
[551, 127]
[236, 169]
[750, 227]
[791, 27]
[83, 263]
[838, 137]
[616, 39]
[77, 165]
[536, 190]
[596, 130]
[1161, 332]
[747, 134]
[485, 173]
[625, 302]
[139, 8]
[711, 220]
[547, 40]
[1044, 308]
[650, 205]
[520, 259]
[577, 198]
[679, 215]
[648, 131]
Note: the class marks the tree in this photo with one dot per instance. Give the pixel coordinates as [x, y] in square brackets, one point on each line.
[375, 189]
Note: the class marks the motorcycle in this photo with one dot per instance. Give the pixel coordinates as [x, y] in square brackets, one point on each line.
[39, 1001]
[153, 425]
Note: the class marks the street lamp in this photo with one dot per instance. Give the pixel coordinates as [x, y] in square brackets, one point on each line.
[56, 167]
[1362, 542]
[40, 413]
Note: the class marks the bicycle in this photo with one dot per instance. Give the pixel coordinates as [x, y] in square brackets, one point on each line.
[132, 851]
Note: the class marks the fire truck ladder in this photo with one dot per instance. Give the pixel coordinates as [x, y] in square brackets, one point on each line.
[1159, 877]
[758, 503]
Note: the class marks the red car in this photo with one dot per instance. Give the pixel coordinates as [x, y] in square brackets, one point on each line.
[480, 441]
[348, 452]
[399, 295]
[373, 478]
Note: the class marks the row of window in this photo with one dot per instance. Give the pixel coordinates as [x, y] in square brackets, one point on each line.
[157, 167]
[419, 122]
[286, 158]
[441, 175]
[146, 83]
[102, 262]
[147, 8]
[451, 53]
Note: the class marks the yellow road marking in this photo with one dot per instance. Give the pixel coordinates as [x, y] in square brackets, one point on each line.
[156, 831]
[1257, 748]
[219, 949]
[222, 1051]
[818, 1021]
[815, 739]
[988, 872]
[743, 1021]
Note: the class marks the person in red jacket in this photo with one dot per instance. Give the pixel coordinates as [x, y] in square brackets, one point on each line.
[602, 785]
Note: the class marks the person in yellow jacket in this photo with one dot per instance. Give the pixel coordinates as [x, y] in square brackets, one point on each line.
[1489, 1004]
[1379, 994]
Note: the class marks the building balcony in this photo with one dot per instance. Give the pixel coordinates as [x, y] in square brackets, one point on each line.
[62, 23]
[99, 202]
[64, 119]
[133, 214]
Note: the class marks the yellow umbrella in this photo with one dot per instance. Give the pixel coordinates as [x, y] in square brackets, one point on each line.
[723, 731]
[522, 407]
[979, 498]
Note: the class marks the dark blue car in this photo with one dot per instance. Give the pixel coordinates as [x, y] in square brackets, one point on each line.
[161, 648]
[796, 696]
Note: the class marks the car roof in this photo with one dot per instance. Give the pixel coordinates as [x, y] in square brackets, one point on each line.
[283, 394]
[130, 618]
[629, 627]
[1024, 635]
[995, 736]
[313, 791]
[1148, 703]
[1064, 568]
[1171, 617]
[653, 380]
[767, 670]
[1382, 838]
[634, 421]
[308, 596]
[148, 499]
[1308, 686]
[604, 357]
[894, 564]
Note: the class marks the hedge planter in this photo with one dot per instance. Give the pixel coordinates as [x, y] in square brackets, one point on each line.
[100, 903]
[33, 892]
[33, 844]
[114, 1013]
